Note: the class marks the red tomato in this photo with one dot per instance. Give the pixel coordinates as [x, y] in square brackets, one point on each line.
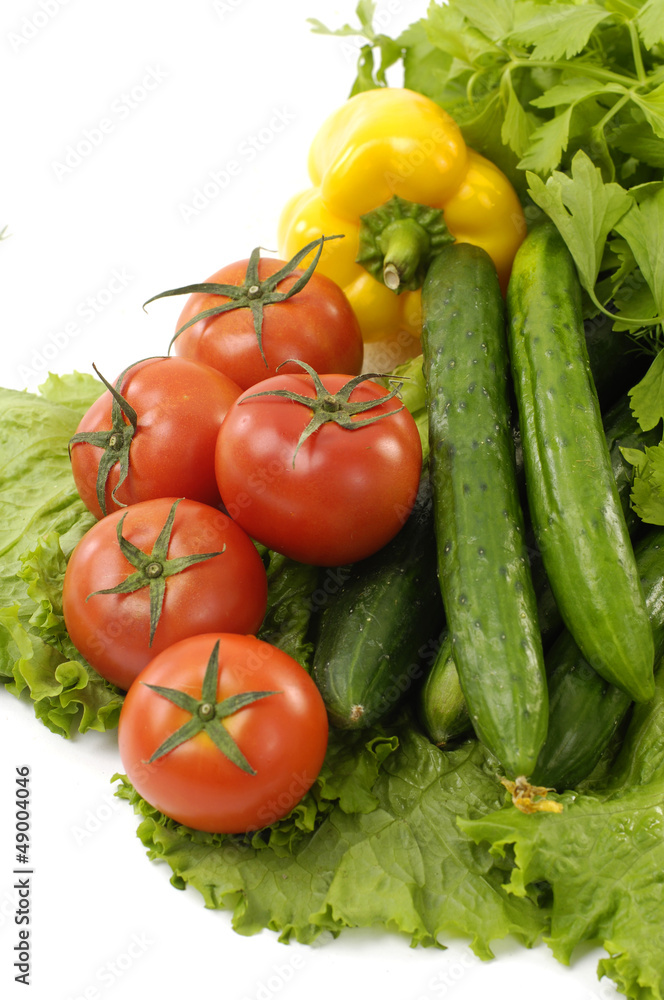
[227, 592]
[316, 325]
[282, 736]
[180, 405]
[344, 494]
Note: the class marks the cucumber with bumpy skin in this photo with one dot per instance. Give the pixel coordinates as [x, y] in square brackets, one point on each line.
[482, 561]
[574, 704]
[572, 497]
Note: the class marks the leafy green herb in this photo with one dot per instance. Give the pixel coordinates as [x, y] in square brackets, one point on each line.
[389, 49]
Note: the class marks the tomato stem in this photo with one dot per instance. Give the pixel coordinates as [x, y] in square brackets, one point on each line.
[330, 407]
[207, 713]
[253, 294]
[116, 442]
[153, 568]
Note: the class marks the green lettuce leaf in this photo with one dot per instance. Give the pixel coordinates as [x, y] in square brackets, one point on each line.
[603, 857]
[384, 851]
[292, 599]
[41, 520]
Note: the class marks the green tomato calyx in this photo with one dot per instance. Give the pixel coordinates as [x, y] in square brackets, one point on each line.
[207, 714]
[337, 407]
[254, 293]
[116, 442]
[153, 568]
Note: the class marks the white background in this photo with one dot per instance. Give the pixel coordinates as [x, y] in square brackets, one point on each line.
[115, 118]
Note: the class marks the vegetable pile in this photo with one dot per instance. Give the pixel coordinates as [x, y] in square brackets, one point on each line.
[398, 631]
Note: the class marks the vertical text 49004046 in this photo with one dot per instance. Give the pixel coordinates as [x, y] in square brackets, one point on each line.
[23, 881]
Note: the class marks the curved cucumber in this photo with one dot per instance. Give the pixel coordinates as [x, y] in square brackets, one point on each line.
[572, 498]
[585, 710]
[443, 710]
[380, 632]
[482, 562]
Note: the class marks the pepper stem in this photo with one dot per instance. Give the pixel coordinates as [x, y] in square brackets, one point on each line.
[405, 243]
[398, 241]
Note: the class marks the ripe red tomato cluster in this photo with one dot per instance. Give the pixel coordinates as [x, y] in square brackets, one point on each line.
[187, 461]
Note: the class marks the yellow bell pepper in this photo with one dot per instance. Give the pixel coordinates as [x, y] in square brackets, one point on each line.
[386, 142]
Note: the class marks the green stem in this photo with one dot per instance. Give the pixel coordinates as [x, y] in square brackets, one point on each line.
[153, 568]
[584, 69]
[612, 112]
[206, 714]
[636, 51]
[398, 240]
[254, 294]
[327, 407]
[629, 320]
[405, 243]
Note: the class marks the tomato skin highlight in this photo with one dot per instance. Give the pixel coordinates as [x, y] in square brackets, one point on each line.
[180, 406]
[316, 325]
[346, 493]
[283, 736]
[227, 592]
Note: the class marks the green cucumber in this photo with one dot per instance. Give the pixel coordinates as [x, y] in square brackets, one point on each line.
[379, 633]
[585, 711]
[572, 496]
[641, 757]
[482, 561]
[442, 708]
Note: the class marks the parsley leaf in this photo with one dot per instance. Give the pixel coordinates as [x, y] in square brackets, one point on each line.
[558, 31]
[647, 398]
[643, 228]
[650, 22]
[584, 209]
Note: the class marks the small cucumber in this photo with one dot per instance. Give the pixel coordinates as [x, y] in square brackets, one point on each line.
[442, 708]
[572, 497]
[585, 710]
[379, 633]
[482, 561]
